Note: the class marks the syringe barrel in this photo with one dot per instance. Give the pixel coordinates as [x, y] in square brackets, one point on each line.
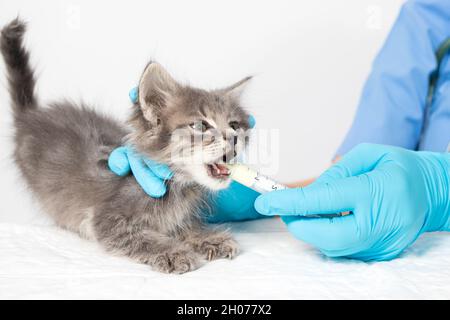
[253, 179]
[263, 184]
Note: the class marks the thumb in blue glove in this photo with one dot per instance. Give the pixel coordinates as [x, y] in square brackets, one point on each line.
[395, 195]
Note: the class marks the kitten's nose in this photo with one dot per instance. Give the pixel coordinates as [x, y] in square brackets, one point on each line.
[231, 139]
[227, 157]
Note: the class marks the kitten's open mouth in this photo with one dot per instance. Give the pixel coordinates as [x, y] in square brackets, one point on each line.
[218, 171]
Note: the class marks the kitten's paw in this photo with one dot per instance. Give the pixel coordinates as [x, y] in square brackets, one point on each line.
[217, 247]
[176, 262]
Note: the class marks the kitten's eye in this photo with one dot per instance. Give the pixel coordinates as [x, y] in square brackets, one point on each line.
[201, 126]
[234, 125]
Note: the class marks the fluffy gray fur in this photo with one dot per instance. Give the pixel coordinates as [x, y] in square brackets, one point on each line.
[62, 151]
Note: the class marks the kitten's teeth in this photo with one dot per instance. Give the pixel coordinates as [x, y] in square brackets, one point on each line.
[216, 169]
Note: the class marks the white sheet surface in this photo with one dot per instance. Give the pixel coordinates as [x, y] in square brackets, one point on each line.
[46, 262]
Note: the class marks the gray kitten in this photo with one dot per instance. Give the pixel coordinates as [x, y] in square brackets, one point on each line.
[62, 152]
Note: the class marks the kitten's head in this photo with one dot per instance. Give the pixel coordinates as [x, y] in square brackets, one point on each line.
[194, 131]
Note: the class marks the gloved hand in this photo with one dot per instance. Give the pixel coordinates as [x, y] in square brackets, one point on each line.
[394, 195]
[148, 173]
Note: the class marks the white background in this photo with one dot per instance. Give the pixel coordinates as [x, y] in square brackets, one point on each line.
[309, 58]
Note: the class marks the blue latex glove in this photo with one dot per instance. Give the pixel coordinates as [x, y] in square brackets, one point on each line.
[395, 195]
[392, 106]
[236, 203]
[148, 173]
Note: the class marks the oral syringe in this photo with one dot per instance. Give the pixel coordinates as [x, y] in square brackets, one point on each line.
[263, 184]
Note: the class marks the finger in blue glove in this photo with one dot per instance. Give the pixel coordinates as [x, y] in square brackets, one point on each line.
[149, 174]
[118, 162]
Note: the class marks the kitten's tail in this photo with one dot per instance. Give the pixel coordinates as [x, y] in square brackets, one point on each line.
[21, 79]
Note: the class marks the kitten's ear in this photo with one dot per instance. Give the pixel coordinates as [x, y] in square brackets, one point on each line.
[235, 90]
[156, 87]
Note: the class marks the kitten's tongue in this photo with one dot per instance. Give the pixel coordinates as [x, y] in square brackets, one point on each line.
[219, 169]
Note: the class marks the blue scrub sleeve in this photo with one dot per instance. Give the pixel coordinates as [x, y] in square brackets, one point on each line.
[391, 108]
